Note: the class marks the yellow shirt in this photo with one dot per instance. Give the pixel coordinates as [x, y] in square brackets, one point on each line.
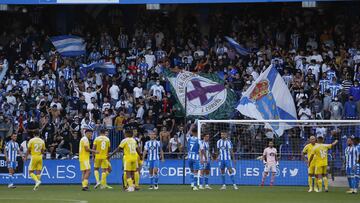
[36, 145]
[102, 146]
[83, 154]
[320, 152]
[308, 150]
[129, 145]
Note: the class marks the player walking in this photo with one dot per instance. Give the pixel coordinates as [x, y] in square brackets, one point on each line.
[36, 148]
[351, 162]
[84, 159]
[271, 163]
[101, 145]
[152, 149]
[11, 151]
[225, 156]
[205, 164]
[307, 151]
[320, 156]
[194, 152]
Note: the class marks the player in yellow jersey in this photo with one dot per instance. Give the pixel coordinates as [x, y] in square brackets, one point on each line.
[102, 145]
[320, 157]
[36, 148]
[139, 161]
[84, 159]
[307, 151]
[131, 153]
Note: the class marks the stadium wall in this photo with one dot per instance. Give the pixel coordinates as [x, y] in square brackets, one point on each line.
[248, 172]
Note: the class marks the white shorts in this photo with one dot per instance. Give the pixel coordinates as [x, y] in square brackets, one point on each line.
[270, 168]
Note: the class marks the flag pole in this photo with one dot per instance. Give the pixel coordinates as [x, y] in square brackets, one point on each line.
[186, 130]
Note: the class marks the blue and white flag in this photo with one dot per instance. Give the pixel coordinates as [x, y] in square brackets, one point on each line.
[69, 45]
[99, 67]
[269, 98]
[240, 49]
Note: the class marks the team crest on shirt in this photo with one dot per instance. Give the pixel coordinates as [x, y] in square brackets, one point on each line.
[204, 96]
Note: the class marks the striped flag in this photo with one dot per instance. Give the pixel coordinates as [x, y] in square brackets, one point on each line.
[240, 49]
[99, 67]
[69, 45]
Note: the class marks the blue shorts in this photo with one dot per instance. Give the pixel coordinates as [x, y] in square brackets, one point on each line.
[357, 171]
[206, 166]
[225, 164]
[153, 164]
[194, 164]
[12, 164]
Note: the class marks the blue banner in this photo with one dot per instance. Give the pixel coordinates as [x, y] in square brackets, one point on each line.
[248, 172]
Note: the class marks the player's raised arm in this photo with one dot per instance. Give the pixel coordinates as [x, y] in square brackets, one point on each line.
[334, 143]
[94, 149]
[114, 152]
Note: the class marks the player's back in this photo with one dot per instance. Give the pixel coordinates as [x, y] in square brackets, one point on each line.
[102, 146]
[193, 148]
[36, 146]
[224, 147]
[206, 148]
[83, 154]
[129, 145]
[320, 152]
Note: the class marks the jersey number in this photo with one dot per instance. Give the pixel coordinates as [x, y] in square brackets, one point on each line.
[132, 148]
[323, 154]
[103, 145]
[37, 147]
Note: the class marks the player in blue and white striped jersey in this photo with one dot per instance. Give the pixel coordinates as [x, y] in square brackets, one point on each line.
[12, 150]
[225, 157]
[357, 171]
[153, 149]
[205, 164]
[351, 162]
[194, 156]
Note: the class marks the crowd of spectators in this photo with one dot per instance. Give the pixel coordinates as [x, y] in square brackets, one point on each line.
[316, 52]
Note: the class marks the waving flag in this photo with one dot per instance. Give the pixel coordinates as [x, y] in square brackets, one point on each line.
[69, 45]
[269, 98]
[206, 95]
[240, 49]
[99, 67]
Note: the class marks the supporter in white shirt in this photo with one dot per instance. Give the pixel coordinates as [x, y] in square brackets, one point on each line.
[140, 111]
[304, 112]
[89, 94]
[138, 91]
[150, 59]
[317, 57]
[315, 68]
[25, 85]
[41, 63]
[199, 52]
[36, 82]
[56, 103]
[159, 36]
[174, 143]
[106, 105]
[356, 58]
[114, 92]
[123, 103]
[157, 90]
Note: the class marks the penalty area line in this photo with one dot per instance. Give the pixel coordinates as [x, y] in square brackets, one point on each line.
[55, 200]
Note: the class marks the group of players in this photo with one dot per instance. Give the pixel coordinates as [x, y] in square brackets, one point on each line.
[317, 160]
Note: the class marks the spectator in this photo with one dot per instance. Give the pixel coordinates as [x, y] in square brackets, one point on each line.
[336, 109]
[175, 146]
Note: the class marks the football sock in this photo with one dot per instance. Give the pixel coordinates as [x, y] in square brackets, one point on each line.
[103, 178]
[206, 179]
[232, 177]
[319, 183]
[97, 176]
[357, 179]
[34, 177]
[263, 179]
[125, 180]
[85, 183]
[156, 178]
[223, 179]
[350, 182]
[11, 179]
[38, 177]
[137, 178]
[151, 180]
[196, 178]
[192, 178]
[130, 182]
[310, 182]
[326, 183]
[201, 180]
[272, 180]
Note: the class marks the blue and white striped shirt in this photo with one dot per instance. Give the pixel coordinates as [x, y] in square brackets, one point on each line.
[334, 89]
[206, 148]
[351, 156]
[225, 148]
[194, 147]
[68, 73]
[323, 85]
[12, 149]
[51, 83]
[153, 149]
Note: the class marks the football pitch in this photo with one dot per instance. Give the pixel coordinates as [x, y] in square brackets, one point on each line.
[174, 194]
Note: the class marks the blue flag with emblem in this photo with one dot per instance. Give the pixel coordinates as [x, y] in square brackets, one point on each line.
[240, 49]
[99, 67]
[205, 94]
[268, 98]
[69, 45]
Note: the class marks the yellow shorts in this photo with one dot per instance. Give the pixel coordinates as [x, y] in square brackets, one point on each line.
[311, 169]
[36, 164]
[84, 165]
[130, 165]
[320, 170]
[101, 163]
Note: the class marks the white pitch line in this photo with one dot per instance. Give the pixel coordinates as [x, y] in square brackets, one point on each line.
[56, 200]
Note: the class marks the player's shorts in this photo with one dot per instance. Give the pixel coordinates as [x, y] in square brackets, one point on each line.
[153, 164]
[206, 166]
[320, 170]
[225, 164]
[311, 169]
[84, 165]
[270, 168]
[130, 165]
[12, 164]
[101, 163]
[357, 172]
[350, 171]
[194, 164]
[36, 164]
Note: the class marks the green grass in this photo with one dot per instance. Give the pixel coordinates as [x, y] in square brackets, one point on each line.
[174, 194]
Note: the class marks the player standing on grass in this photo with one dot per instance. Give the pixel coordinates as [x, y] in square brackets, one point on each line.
[131, 153]
[357, 172]
[271, 163]
[194, 154]
[152, 149]
[205, 164]
[102, 145]
[36, 148]
[11, 151]
[320, 156]
[307, 151]
[225, 156]
[84, 159]
[351, 162]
